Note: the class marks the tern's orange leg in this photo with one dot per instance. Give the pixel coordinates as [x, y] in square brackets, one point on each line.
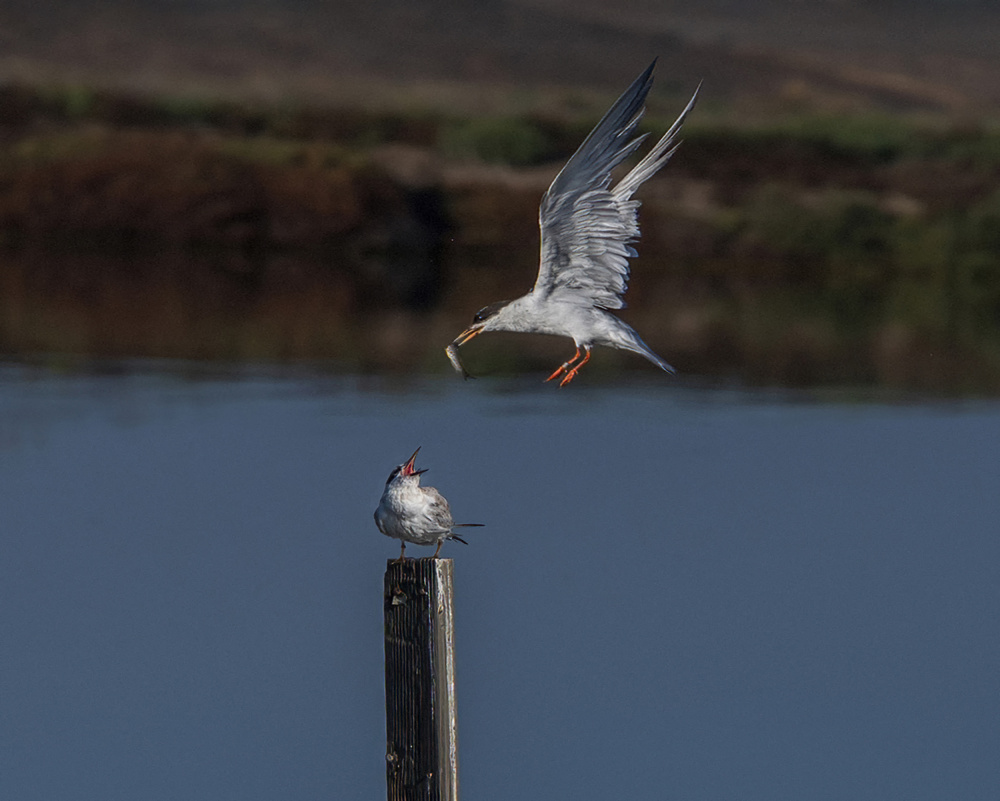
[564, 366]
[436, 552]
[402, 551]
[572, 373]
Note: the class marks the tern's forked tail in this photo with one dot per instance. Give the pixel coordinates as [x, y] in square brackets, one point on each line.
[455, 536]
[640, 347]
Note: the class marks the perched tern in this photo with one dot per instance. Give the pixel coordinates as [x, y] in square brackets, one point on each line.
[587, 227]
[416, 514]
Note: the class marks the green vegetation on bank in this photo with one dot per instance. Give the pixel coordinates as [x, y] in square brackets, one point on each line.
[531, 138]
[862, 224]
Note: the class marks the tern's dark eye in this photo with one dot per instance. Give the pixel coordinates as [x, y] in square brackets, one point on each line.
[488, 311]
[392, 475]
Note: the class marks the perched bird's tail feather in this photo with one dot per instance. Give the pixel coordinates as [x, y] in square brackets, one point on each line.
[455, 536]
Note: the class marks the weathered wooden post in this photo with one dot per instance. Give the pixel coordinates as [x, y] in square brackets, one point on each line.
[421, 731]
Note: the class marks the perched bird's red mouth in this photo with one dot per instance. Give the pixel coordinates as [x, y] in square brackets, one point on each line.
[408, 467]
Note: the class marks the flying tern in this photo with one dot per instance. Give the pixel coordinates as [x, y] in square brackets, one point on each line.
[587, 227]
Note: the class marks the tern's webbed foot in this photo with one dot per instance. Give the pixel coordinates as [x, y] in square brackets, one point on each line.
[563, 368]
[571, 371]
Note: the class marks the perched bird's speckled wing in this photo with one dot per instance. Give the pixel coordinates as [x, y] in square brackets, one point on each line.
[586, 227]
[438, 511]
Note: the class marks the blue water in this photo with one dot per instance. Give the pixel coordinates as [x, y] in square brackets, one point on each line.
[680, 593]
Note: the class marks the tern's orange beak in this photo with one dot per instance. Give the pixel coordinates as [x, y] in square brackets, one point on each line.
[408, 467]
[467, 334]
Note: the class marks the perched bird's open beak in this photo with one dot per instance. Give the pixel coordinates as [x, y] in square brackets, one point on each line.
[408, 467]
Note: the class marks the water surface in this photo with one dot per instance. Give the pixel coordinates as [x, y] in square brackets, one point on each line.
[681, 592]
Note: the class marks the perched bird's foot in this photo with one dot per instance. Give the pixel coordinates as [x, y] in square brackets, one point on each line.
[437, 550]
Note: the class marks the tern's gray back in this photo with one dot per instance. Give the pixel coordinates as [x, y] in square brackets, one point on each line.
[439, 511]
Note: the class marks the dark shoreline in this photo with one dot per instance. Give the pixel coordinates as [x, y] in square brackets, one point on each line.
[859, 249]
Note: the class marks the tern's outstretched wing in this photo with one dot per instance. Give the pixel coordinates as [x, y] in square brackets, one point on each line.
[586, 227]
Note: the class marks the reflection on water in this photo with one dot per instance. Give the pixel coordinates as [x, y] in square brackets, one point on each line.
[347, 308]
[671, 580]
